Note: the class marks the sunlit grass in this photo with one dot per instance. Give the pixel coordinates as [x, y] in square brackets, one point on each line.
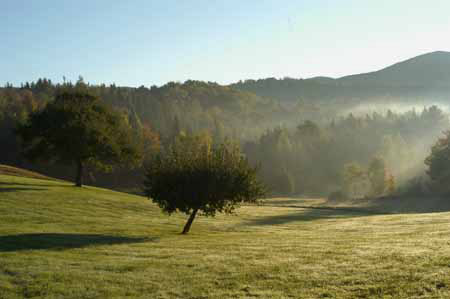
[59, 241]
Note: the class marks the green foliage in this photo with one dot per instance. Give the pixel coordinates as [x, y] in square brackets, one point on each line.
[193, 175]
[438, 163]
[390, 184]
[313, 155]
[78, 128]
[354, 180]
[151, 143]
[295, 159]
[377, 176]
[375, 181]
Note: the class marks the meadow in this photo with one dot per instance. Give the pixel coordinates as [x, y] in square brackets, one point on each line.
[59, 241]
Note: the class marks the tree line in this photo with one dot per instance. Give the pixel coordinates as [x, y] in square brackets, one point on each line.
[313, 157]
[202, 170]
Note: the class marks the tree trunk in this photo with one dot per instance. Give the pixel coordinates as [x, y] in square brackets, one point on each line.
[187, 227]
[79, 178]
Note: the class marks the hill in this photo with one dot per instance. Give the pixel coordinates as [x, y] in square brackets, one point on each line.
[58, 241]
[428, 70]
[426, 75]
[14, 171]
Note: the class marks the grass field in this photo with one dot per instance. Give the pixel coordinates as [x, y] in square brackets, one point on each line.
[58, 241]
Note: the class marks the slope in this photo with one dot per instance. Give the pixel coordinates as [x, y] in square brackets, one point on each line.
[429, 70]
[424, 76]
[10, 170]
[58, 241]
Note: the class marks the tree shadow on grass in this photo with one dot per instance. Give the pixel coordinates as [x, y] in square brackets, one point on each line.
[32, 185]
[17, 189]
[280, 201]
[309, 214]
[406, 204]
[351, 209]
[61, 241]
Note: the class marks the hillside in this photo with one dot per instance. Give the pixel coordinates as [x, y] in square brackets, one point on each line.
[429, 70]
[192, 105]
[426, 75]
[14, 171]
[58, 241]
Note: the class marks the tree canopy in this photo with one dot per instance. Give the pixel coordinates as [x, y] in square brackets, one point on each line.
[439, 164]
[194, 175]
[302, 146]
[78, 128]
[377, 176]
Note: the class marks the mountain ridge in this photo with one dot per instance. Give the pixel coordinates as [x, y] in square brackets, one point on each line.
[433, 63]
[426, 75]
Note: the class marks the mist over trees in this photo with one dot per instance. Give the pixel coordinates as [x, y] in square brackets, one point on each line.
[307, 142]
[313, 159]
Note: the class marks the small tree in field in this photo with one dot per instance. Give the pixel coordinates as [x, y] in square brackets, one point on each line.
[193, 176]
[78, 128]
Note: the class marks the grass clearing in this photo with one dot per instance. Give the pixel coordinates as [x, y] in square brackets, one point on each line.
[59, 241]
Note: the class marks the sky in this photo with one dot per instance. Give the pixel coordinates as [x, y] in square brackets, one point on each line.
[145, 42]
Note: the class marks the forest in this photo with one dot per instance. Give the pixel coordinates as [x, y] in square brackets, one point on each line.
[300, 148]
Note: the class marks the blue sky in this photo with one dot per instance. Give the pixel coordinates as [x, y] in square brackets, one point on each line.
[140, 42]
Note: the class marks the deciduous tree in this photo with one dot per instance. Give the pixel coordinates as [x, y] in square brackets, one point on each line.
[78, 128]
[438, 163]
[377, 176]
[195, 176]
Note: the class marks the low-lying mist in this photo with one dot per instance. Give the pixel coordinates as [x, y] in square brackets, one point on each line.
[313, 157]
[384, 107]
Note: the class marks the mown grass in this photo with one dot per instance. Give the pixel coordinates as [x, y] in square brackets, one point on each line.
[59, 241]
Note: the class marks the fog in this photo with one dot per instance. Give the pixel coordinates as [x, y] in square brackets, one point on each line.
[384, 107]
[305, 147]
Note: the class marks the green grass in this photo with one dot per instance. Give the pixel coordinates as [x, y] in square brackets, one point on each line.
[59, 241]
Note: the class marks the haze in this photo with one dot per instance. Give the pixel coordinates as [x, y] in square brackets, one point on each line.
[131, 130]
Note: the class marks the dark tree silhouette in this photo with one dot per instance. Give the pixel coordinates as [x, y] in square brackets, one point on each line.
[78, 128]
[194, 176]
[439, 164]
